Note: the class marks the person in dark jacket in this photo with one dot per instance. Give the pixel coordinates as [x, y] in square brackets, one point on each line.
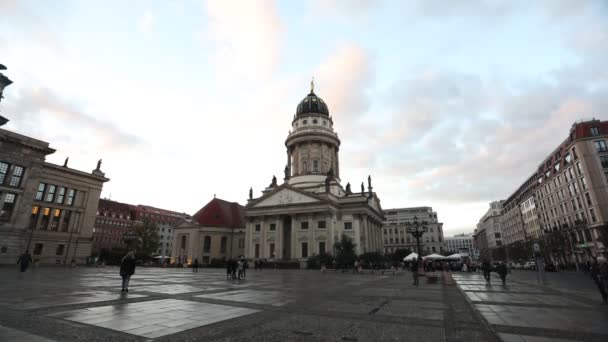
[127, 269]
[195, 265]
[24, 261]
[414, 269]
[501, 269]
[486, 268]
[597, 278]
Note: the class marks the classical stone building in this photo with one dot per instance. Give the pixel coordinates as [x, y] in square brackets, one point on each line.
[395, 233]
[216, 231]
[310, 209]
[46, 208]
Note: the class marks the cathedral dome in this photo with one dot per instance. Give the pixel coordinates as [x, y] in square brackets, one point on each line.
[312, 104]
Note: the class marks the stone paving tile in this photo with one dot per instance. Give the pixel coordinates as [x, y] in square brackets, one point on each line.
[8, 334]
[274, 298]
[549, 311]
[517, 298]
[172, 316]
[173, 288]
[58, 299]
[527, 338]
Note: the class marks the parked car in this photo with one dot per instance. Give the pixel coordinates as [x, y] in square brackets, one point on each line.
[530, 265]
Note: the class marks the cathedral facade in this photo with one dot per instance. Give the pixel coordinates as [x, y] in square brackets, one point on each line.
[311, 210]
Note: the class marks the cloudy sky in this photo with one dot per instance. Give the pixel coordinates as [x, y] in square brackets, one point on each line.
[449, 104]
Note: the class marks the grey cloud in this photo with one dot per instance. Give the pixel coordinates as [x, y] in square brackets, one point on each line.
[32, 106]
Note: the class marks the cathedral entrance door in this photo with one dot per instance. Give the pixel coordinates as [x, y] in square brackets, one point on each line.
[286, 238]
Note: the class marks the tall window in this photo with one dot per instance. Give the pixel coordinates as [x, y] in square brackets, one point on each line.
[16, 177]
[321, 247]
[207, 244]
[258, 227]
[71, 196]
[315, 165]
[257, 250]
[272, 250]
[588, 198]
[304, 249]
[604, 161]
[183, 242]
[55, 220]
[40, 192]
[8, 206]
[579, 169]
[3, 171]
[223, 244]
[59, 250]
[273, 227]
[594, 131]
[60, 195]
[50, 195]
[600, 146]
[67, 216]
[34, 216]
[38, 248]
[46, 217]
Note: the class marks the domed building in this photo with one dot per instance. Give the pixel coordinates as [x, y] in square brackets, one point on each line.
[310, 209]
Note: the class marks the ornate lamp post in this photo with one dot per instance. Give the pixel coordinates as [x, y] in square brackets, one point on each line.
[4, 82]
[417, 229]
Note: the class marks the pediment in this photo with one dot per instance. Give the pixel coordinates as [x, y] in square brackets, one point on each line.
[285, 196]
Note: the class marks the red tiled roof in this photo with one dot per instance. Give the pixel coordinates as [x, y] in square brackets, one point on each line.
[110, 205]
[220, 213]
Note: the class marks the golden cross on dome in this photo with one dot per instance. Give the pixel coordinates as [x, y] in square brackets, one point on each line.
[312, 85]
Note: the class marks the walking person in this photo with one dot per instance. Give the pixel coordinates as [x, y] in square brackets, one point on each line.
[24, 261]
[501, 269]
[414, 269]
[486, 268]
[195, 265]
[229, 269]
[240, 269]
[127, 269]
[245, 267]
[596, 275]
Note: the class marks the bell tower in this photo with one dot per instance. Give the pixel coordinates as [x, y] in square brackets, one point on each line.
[312, 145]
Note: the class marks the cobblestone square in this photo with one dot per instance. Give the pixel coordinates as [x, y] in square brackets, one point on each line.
[85, 304]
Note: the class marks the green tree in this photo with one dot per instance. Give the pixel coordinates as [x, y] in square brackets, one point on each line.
[399, 254]
[375, 258]
[147, 239]
[345, 252]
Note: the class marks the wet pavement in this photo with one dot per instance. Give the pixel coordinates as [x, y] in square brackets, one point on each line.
[565, 308]
[85, 304]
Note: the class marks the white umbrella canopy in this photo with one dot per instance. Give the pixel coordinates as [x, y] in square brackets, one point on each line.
[454, 256]
[410, 257]
[433, 256]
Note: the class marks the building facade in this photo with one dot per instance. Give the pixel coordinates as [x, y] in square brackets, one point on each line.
[112, 221]
[572, 189]
[216, 231]
[311, 209]
[489, 224]
[463, 244]
[45, 208]
[165, 220]
[395, 235]
[519, 220]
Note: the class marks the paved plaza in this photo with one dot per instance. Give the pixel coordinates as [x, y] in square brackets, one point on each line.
[85, 304]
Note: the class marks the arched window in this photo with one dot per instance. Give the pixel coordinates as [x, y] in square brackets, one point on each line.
[207, 244]
[223, 244]
[183, 242]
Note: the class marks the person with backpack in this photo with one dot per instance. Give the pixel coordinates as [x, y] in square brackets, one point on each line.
[24, 261]
[127, 269]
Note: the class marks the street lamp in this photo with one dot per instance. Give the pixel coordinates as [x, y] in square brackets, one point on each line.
[4, 82]
[417, 229]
